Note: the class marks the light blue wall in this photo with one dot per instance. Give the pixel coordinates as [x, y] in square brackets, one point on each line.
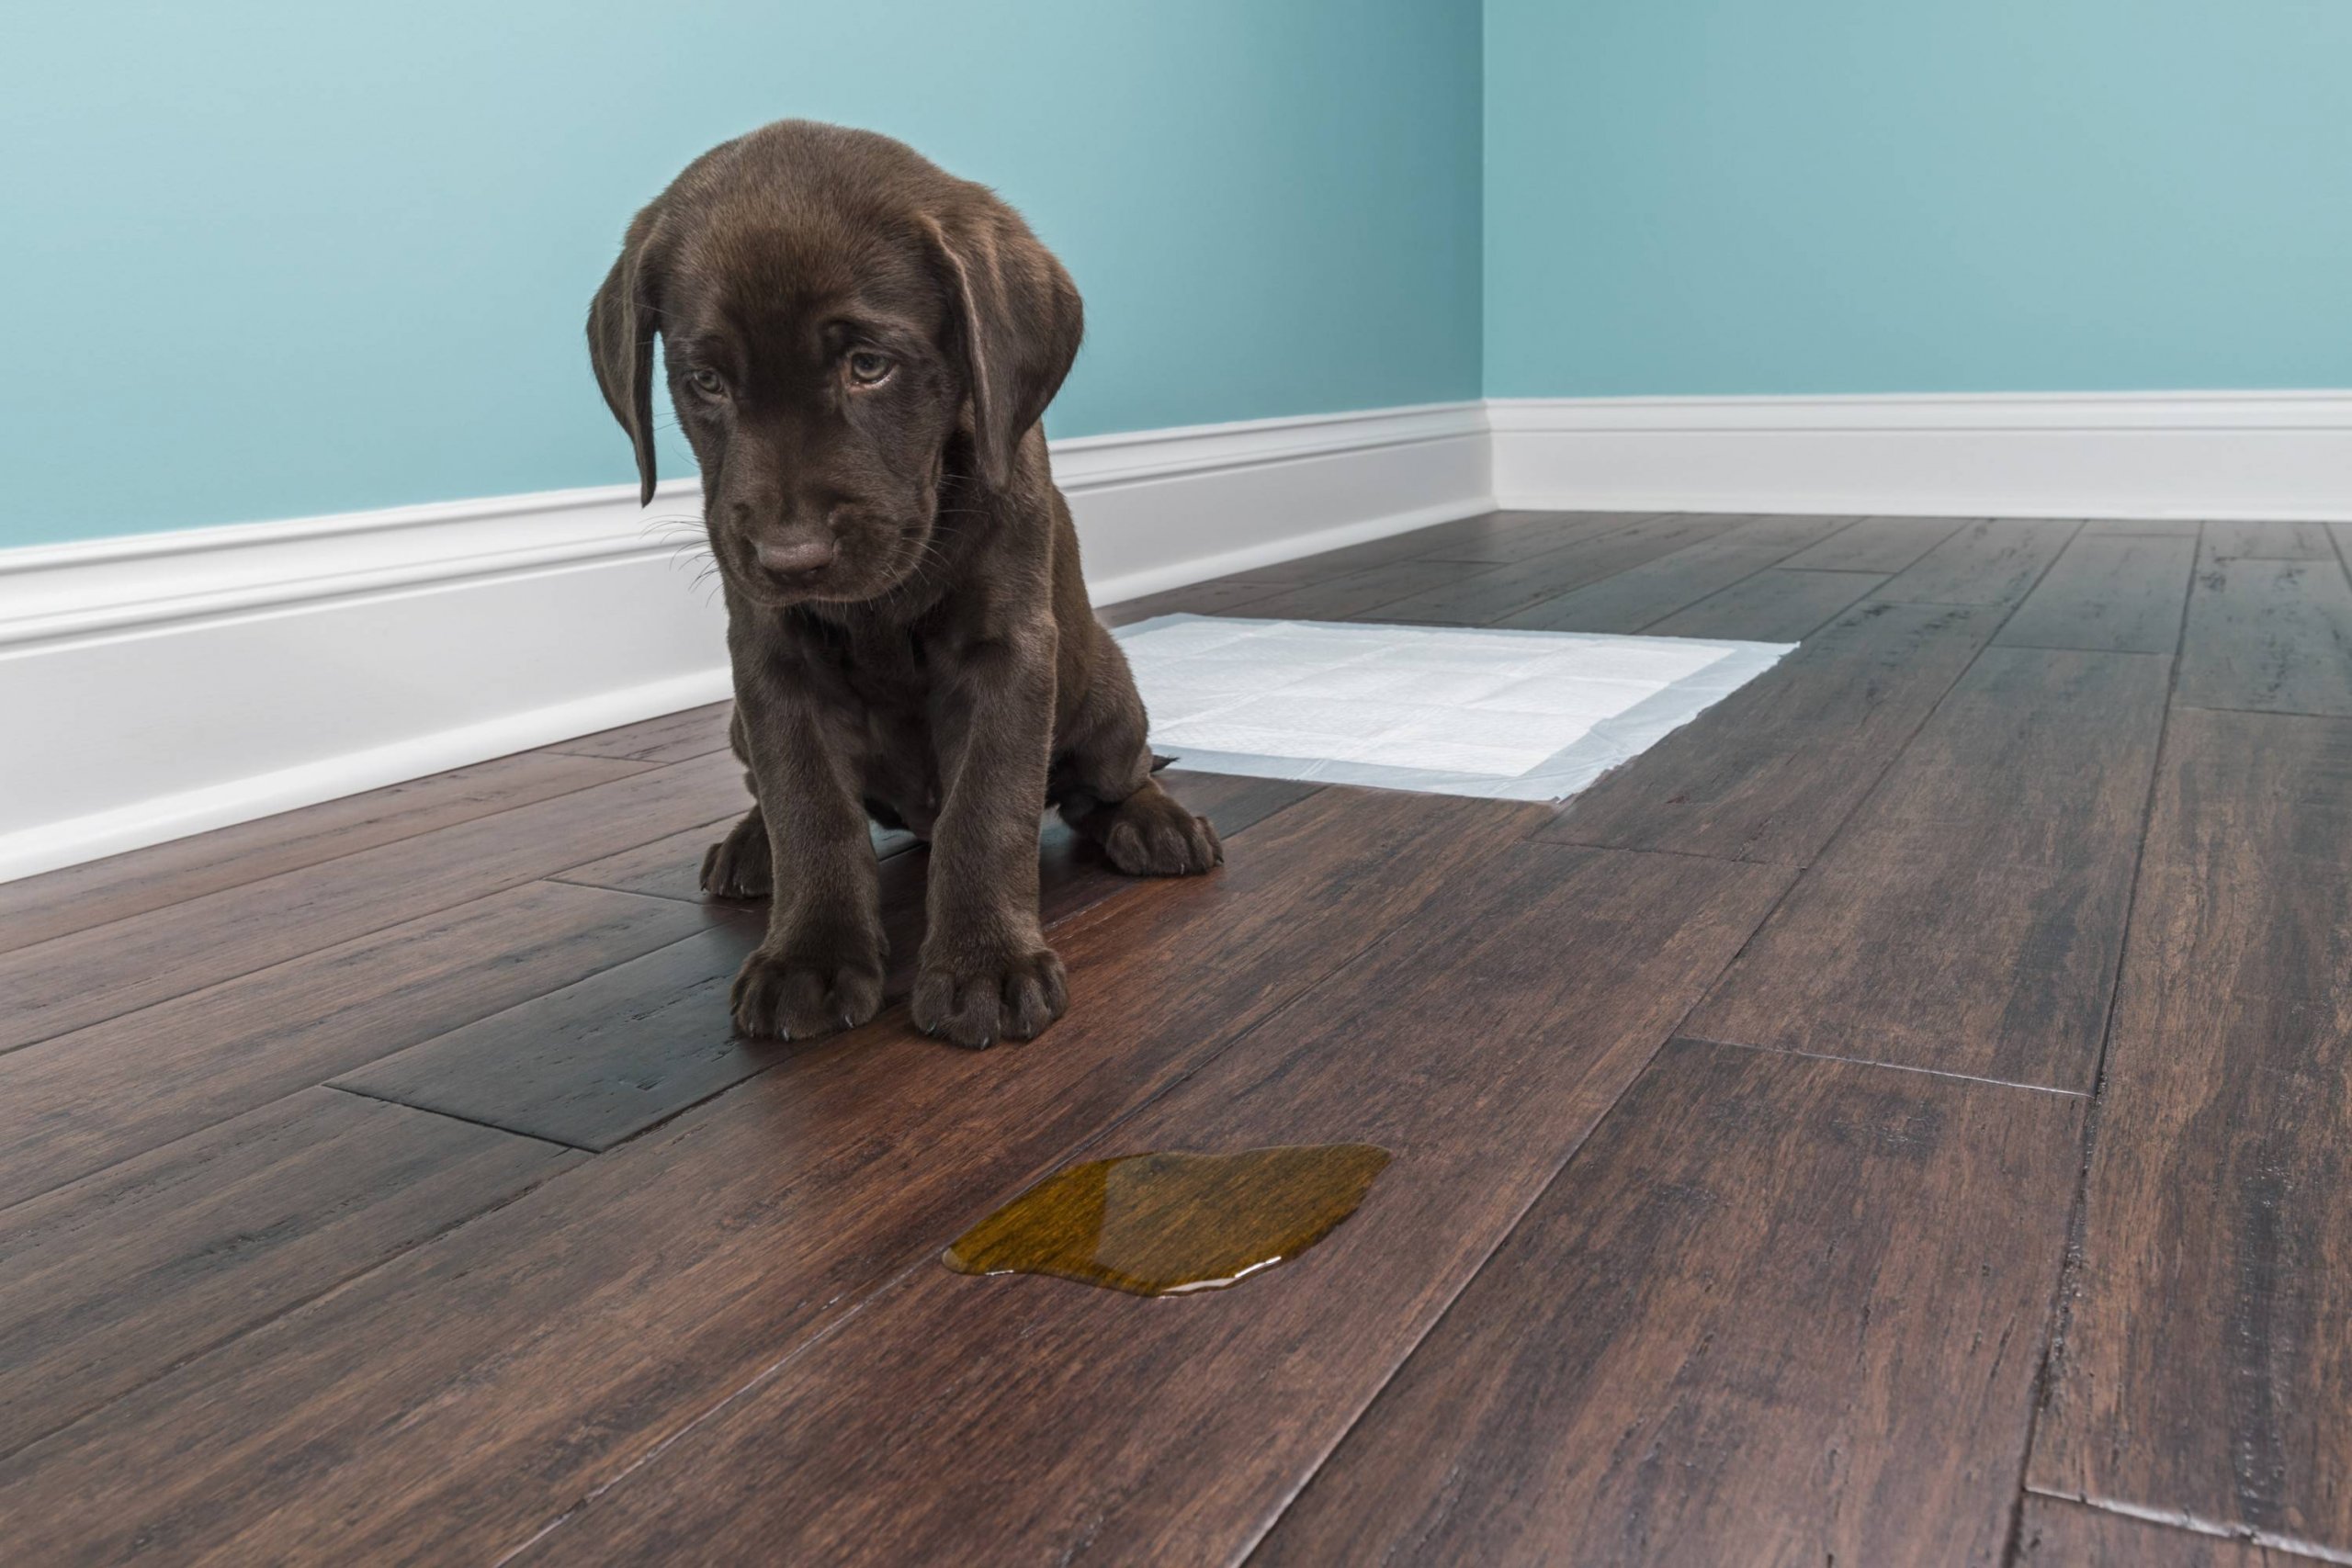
[1870, 196]
[273, 259]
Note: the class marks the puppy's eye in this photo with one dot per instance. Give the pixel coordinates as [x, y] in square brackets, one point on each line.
[869, 369]
[709, 383]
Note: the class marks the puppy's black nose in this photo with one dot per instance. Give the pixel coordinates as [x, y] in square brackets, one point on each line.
[796, 558]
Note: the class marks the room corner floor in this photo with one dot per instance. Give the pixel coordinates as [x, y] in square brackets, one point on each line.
[1904, 1116]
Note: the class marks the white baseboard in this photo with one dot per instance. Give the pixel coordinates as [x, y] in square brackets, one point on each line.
[2209, 455]
[161, 684]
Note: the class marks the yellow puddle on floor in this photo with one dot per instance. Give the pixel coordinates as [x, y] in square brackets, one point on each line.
[1166, 1223]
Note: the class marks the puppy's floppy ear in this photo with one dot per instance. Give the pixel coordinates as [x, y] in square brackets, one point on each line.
[1017, 320]
[621, 321]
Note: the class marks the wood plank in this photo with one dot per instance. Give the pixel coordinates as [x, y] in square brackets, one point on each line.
[671, 867]
[2272, 636]
[1491, 536]
[1337, 598]
[673, 738]
[1194, 599]
[1996, 561]
[1879, 545]
[2159, 527]
[1774, 605]
[121, 1276]
[2207, 1344]
[1052, 1421]
[1504, 590]
[119, 967]
[57, 903]
[1411, 545]
[1651, 592]
[84, 1100]
[2271, 540]
[1502, 537]
[1779, 1311]
[557, 1340]
[1969, 918]
[2058, 1534]
[1769, 773]
[602, 1060]
[2116, 592]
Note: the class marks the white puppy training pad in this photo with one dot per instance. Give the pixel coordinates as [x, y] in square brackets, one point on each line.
[1447, 710]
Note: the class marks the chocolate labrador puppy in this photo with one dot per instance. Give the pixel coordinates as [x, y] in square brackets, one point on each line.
[859, 346]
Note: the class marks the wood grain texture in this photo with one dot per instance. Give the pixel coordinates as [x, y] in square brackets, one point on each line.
[2272, 540]
[1879, 545]
[2115, 593]
[2269, 635]
[1649, 592]
[1970, 916]
[1779, 1311]
[2209, 1333]
[1059, 1423]
[1409, 546]
[109, 970]
[119, 1277]
[1194, 599]
[1337, 598]
[1773, 605]
[672, 738]
[1770, 771]
[1489, 536]
[81, 1102]
[603, 1059]
[2160, 527]
[557, 1340]
[79, 896]
[671, 867]
[1503, 591]
[1997, 561]
[1500, 538]
[2058, 1534]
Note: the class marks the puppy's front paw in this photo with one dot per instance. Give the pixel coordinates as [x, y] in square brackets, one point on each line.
[794, 995]
[976, 1001]
[1151, 834]
[738, 865]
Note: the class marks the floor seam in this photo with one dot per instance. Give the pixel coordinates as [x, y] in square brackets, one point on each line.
[2059, 1314]
[1887, 1065]
[2193, 1523]
[379, 1098]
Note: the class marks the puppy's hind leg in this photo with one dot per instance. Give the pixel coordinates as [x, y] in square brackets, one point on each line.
[1104, 786]
[739, 865]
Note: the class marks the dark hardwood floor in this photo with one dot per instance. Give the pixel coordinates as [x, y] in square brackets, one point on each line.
[1903, 1117]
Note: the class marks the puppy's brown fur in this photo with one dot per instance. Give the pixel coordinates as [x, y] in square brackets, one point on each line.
[859, 347]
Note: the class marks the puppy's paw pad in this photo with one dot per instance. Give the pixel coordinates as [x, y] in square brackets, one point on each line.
[785, 997]
[976, 1003]
[738, 866]
[1151, 835]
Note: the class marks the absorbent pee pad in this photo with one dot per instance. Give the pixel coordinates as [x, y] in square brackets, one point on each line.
[1447, 710]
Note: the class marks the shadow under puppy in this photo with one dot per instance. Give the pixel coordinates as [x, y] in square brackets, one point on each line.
[859, 346]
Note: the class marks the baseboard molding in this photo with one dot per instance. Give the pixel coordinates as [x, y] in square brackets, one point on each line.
[2208, 455]
[248, 670]
[161, 684]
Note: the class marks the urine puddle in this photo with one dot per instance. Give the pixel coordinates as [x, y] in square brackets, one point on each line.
[1165, 1223]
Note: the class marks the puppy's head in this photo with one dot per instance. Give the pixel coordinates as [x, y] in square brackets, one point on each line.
[844, 326]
